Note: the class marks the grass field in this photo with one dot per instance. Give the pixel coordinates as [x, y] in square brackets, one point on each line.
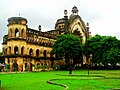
[79, 80]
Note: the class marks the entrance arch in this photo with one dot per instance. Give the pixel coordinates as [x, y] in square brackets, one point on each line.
[15, 67]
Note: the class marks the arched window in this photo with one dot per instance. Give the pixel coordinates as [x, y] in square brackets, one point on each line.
[16, 33]
[51, 57]
[22, 50]
[59, 27]
[16, 50]
[37, 52]
[44, 53]
[31, 52]
[9, 51]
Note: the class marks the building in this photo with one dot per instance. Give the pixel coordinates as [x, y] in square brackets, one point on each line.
[24, 48]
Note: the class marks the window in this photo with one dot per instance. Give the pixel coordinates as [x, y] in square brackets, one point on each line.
[16, 50]
[31, 52]
[37, 52]
[16, 33]
[44, 53]
[59, 27]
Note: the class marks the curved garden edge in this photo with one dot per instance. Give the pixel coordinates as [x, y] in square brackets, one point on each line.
[66, 87]
[83, 75]
[62, 85]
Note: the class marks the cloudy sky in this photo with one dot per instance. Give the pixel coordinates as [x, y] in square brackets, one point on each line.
[103, 15]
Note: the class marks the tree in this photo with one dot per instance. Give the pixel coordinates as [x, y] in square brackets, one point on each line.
[37, 66]
[104, 49]
[112, 56]
[68, 47]
[93, 46]
[111, 50]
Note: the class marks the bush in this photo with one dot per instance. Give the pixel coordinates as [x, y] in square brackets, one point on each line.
[45, 66]
[37, 66]
[8, 66]
[63, 67]
[57, 67]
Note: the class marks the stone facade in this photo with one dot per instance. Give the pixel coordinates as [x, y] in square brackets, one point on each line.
[24, 48]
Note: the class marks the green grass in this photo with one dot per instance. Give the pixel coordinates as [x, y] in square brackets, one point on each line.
[97, 80]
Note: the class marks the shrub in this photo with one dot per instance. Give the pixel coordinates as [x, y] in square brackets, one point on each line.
[57, 67]
[8, 66]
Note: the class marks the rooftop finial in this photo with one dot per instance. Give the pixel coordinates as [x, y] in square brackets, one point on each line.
[39, 27]
[75, 10]
[87, 26]
[65, 12]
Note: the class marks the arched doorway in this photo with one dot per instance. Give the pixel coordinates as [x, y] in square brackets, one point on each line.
[26, 67]
[31, 65]
[15, 67]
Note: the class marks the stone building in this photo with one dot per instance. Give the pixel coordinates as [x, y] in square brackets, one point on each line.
[24, 48]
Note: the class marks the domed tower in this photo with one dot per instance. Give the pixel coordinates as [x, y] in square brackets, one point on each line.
[62, 24]
[17, 27]
[15, 43]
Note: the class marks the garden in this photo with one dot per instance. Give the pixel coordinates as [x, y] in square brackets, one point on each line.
[61, 80]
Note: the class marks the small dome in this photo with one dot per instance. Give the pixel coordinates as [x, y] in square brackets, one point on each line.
[59, 21]
[17, 20]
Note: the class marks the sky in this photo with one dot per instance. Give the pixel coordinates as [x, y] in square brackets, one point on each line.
[102, 15]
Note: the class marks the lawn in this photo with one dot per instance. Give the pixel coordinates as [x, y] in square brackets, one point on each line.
[79, 80]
